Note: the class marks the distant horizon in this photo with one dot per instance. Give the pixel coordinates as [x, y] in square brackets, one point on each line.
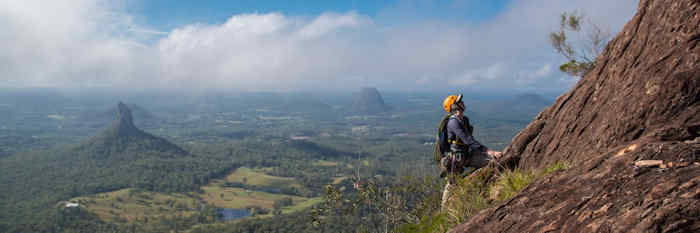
[163, 91]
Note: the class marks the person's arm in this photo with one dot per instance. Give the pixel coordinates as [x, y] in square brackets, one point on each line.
[454, 126]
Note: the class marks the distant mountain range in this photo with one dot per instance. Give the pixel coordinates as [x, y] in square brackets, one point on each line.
[522, 107]
[304, 104]
[531, 99]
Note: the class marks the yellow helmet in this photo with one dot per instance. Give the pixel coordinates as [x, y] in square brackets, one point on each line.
[450, 100]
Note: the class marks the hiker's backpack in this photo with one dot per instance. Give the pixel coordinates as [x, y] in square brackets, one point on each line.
[442, 145]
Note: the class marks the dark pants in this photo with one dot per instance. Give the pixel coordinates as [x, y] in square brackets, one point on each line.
[459, 160]
[478, 159]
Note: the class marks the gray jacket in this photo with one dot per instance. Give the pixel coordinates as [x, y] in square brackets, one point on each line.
[458, 129]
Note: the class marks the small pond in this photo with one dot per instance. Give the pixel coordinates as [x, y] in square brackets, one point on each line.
[231, 214]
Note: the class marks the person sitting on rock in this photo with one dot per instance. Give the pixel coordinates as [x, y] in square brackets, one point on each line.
[465, 151]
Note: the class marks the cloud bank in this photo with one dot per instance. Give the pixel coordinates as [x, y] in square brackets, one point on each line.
[89, 43]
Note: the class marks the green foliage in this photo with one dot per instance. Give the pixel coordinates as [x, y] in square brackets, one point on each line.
[557, 166]
[576, 68]
[510, 183]
[469, 196]
[382, 205]
[43, 178]
[278, 204]
[588, 46]
[427, 224]
[31, 187]
[483, 189]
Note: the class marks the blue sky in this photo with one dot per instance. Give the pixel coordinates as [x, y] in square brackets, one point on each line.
[169, 14]
[402, 45]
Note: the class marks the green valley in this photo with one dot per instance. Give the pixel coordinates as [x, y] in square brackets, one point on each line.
[183, 169]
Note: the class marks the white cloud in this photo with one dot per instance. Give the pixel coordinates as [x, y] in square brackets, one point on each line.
[94, 43]
[258, 51]
[64, 43]
[489, 73]
[539, 76]
[147, 31]
[543, 71]
[329, 22]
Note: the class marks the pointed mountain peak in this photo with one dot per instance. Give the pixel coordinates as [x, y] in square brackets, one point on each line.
[124, 126]
[124, 114]
[122, 135]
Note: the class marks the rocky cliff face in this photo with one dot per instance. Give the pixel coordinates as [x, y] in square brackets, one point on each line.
[124, 125]
[641, 102]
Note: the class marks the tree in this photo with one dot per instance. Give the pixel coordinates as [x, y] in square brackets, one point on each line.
[286, 201]
[590, 43]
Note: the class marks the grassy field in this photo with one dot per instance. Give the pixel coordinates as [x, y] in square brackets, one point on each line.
[325, 163]
[132, 204]
[301, 205]
[259, 178]
[127, 205]
[237, 198]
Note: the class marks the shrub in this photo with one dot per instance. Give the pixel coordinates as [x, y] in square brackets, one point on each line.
[479, 191]
[558, 166]
[510, 183]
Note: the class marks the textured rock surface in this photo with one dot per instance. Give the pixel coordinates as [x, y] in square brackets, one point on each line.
[641, 102]
[125, 120]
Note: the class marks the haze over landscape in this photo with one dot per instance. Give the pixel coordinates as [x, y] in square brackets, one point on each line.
[293, 116]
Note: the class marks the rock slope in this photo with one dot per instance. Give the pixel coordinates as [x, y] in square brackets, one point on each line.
[641, 102]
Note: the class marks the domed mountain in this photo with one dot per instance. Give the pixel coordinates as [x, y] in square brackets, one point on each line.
[630, 130]
[368, 102]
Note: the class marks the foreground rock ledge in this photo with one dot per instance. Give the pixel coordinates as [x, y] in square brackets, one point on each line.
[641, 102]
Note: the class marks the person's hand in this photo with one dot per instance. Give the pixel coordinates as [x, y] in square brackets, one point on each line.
[494, 154]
